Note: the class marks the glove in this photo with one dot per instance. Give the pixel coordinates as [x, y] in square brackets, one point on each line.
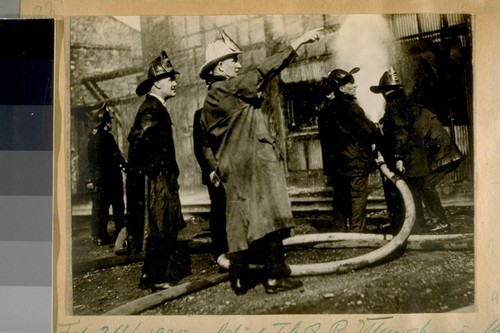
[214, 178]
[400, 167]
[380, 159]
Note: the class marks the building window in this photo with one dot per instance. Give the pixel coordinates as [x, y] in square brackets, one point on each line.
[303, 100]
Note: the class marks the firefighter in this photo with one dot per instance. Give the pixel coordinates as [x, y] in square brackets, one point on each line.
[258, 211]
[105, 181]
[348, 139]
[418, 148]
[153, 190]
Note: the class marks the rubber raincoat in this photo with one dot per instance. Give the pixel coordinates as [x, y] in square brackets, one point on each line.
[248, 161]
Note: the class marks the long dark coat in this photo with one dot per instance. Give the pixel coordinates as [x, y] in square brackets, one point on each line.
[202, 151]
[414, 135]
[441, 150]
[208, 163]
[152, 154]
[404, 135]
[105, 161]
[346, 137]
[105, 172]
[248, 161]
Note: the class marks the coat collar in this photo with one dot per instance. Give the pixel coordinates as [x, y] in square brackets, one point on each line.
[216, 79]
[347, 97]
[161, 100]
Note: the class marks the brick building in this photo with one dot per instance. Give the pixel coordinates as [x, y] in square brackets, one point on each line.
[372, 42]
[185, 39]
[105, 65]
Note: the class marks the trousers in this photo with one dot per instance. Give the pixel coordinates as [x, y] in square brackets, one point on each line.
[350, 195]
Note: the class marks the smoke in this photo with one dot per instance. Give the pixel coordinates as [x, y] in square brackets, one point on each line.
[365, 41]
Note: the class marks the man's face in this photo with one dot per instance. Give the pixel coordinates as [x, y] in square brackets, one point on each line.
[349, 88]
[230, 67]
[167, 87]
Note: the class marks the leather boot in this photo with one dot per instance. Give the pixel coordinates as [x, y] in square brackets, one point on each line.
[274, 286]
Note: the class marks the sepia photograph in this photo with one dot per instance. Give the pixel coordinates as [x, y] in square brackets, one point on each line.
[269, 165]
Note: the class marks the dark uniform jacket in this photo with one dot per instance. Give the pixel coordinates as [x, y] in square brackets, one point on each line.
[105, 161]
[441, 150]
[414, 135]
[105, 168]
[202, 151]
[152, 154]
[346, 137]
[151, 140]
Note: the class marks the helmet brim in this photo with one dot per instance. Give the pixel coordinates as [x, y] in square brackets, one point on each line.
[145, 86]
[381, 89]
[209, 65]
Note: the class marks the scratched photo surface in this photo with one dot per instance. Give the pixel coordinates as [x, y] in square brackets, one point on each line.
[369, 272]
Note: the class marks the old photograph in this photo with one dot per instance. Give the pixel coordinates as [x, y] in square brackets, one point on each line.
[270, 164]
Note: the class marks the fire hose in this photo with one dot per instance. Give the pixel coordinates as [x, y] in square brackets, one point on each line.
[391, 246]
[395, 246]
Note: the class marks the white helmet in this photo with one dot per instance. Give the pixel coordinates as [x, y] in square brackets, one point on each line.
[221, 48]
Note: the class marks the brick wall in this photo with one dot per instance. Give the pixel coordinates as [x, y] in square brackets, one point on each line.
[99, 47]
[185, 39]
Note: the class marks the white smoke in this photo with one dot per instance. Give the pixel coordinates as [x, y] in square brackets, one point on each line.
[365, 41]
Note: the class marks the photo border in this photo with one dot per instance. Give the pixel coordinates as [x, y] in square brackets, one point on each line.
[486, 44]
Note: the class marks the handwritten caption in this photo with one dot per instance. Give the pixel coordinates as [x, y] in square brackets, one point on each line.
[495, 297]
[339, 326]
[44, 9]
